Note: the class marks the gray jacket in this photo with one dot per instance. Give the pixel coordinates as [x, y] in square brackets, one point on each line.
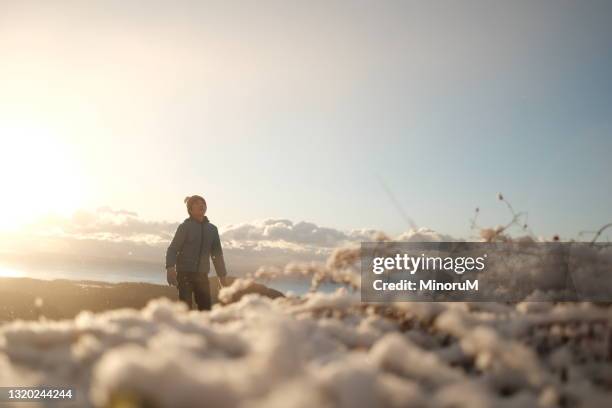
[195, 241]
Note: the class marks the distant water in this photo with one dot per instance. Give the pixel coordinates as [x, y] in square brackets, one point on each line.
[116, 275]
[300, 287]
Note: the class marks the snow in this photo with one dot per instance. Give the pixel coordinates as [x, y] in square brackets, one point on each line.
[321, 350]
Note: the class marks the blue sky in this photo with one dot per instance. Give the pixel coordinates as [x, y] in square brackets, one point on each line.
[278, 110]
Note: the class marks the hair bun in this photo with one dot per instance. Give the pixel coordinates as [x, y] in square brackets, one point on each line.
[186, 199]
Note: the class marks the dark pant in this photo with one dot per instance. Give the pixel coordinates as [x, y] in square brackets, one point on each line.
[190, 284]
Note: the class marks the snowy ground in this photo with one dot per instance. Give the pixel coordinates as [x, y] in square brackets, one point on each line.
[321, 350]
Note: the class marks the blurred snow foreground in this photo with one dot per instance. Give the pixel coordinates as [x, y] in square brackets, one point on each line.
[320, 350]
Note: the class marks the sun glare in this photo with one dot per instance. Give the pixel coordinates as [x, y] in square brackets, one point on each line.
[38, 174]
[6, 272]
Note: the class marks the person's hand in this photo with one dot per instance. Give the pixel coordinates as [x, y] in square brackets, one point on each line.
[171, 276]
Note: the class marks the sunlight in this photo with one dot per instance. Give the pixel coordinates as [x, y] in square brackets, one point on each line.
[10, 273]
[37, 174]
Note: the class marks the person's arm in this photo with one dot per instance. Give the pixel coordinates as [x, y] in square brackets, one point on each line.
[172, 253]
[216, 253]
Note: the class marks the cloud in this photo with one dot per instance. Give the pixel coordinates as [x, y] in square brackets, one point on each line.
[424, 235]
[105, 224]
[89, 237]
[304, 233]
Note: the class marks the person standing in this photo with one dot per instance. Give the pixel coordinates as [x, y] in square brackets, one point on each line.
[195, 242]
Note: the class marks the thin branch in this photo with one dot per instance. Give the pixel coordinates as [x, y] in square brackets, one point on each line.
[397, 204]
[600, 231]
[519, 219]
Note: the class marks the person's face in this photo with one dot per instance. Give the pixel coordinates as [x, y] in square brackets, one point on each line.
[198, 209]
